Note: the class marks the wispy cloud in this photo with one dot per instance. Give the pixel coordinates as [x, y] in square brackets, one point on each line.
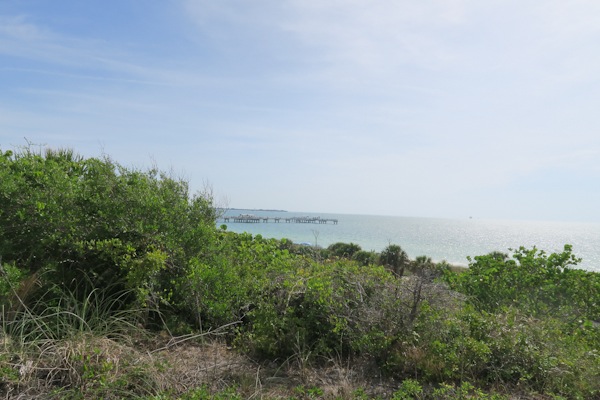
[18, 28]
[377, 39]
[56, 53]
[20, 37]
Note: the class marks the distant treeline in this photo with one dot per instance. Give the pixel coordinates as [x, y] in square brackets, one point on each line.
[254, 209]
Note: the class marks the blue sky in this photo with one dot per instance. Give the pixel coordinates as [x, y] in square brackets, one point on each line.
[436, 108]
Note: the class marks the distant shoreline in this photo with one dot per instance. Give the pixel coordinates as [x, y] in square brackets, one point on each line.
[255, 209]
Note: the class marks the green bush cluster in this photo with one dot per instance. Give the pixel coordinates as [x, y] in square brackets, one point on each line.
[68, 217]
[92, 249]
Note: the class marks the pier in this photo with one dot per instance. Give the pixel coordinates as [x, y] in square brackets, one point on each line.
[253, 219]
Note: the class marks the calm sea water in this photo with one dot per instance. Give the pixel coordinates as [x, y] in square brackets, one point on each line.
[441, 239]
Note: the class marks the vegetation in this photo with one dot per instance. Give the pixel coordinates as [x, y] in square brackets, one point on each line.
[117, 283]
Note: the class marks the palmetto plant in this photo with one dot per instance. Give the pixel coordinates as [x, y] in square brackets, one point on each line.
[394, 258]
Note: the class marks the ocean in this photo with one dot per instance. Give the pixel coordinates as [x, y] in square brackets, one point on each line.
[452, 240]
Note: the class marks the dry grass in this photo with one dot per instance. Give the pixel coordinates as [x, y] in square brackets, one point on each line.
[213, 364]
[217, 366]
[86, 364]
[98, 367]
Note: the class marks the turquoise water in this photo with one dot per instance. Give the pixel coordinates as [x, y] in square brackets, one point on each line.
[441, 239]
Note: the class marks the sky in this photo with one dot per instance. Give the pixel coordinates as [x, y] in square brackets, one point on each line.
[433, 108]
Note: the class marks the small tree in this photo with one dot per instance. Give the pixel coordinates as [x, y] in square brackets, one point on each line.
[343, 250]
[394, 258]
[364, 257]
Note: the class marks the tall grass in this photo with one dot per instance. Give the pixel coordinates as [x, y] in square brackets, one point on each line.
[60, 312]
[74, 339]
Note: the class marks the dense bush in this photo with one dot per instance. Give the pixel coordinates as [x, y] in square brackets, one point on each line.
[313, 311]
[68, 217]
[343, 250]
[534, 282]
[365, 258]
[537, 318]
[224, 288]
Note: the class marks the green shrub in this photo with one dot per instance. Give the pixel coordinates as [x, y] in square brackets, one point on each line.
[533, 281]
[410, 389]
[123, 228]
[312, 310]
[343, 250]
[10, 281]
[464, 391]
[365, 258]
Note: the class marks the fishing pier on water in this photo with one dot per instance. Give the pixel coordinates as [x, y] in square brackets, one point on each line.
[252, 219]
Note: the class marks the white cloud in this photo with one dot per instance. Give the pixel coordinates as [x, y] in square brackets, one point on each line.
[376, 35]
[18, 28]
